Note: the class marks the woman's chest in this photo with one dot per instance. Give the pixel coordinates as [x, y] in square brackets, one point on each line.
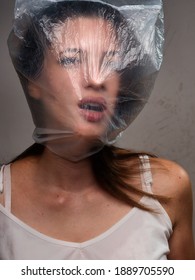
[68, 218]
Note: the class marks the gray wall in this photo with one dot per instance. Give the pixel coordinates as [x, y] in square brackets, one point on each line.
[165, 126]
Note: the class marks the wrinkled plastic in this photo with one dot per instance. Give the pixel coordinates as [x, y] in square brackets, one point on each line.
[87, 68]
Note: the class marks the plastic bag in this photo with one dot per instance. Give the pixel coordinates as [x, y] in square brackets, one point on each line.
[87, 68]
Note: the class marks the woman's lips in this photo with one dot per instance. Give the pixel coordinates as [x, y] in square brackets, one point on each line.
[93, 109]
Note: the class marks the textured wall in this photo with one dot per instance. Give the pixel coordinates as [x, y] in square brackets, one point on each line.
[165, 126]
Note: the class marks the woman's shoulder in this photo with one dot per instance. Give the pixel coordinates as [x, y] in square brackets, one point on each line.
[169, 178]
[172, 181]
[17, 168]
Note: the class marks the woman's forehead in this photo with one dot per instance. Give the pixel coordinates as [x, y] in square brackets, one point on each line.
[82, 22]
[84, 31]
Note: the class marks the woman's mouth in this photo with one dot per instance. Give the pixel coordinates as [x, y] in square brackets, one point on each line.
[93, 110]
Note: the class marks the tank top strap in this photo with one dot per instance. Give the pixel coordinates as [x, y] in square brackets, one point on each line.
[1, 178]
[146, 174]
[5, 185]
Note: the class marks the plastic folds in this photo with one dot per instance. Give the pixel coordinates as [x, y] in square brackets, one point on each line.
[87, 68]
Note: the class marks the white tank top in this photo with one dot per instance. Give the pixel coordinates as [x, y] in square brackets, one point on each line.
[139, 235]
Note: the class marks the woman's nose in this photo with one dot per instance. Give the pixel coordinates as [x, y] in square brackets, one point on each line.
[94, 84]
[94, 79]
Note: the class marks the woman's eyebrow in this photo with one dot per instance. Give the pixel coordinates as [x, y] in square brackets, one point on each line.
[72, 50]
[78, 50]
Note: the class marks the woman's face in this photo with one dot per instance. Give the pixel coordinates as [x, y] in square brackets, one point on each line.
[79, 84]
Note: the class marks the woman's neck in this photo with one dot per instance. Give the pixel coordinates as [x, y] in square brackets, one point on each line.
[53, 171]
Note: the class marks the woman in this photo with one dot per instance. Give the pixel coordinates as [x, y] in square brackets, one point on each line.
[70, 196]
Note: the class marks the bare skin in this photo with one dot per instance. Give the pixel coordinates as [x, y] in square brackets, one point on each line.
[64, 193]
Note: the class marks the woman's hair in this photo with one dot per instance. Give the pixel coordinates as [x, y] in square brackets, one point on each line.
[113, 167]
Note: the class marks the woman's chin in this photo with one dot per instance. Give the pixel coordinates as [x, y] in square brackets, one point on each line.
[91, 130]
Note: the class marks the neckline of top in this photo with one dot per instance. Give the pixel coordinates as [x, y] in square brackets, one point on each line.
[83, 244]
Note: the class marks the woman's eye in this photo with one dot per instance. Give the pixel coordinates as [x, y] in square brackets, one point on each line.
[70, 61]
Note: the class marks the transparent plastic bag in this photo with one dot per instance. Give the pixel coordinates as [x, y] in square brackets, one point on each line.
[87, 68]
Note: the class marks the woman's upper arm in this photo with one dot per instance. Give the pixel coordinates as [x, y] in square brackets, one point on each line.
[175, 184]
[181, 242]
